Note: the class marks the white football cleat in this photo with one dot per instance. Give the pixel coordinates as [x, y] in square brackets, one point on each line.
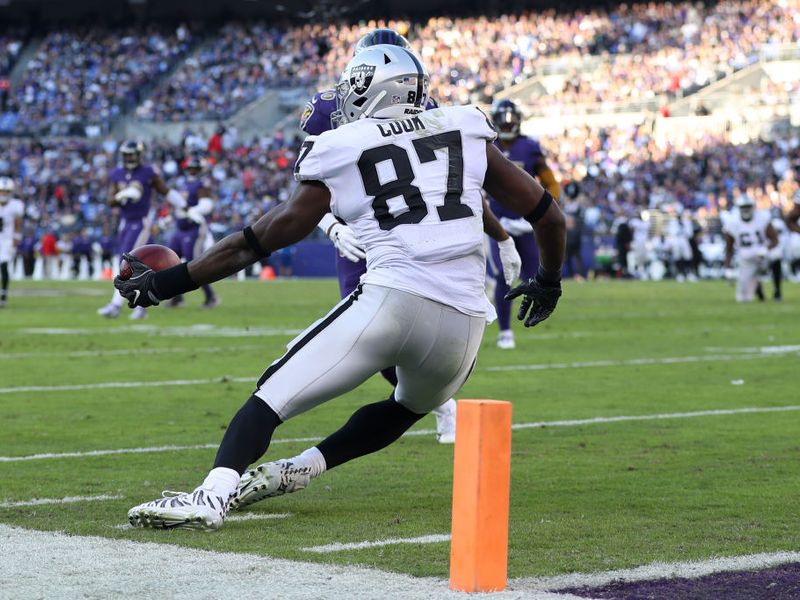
[201, 509]
[138, 313]
[269, 480]
[446, 422]
[109, 311]
[505, 340]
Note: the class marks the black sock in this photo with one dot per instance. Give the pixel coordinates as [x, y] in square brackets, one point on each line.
[390, 375]
[760, 291]
[371, 428]
[777, 276]
[4, 278]
[248, 435]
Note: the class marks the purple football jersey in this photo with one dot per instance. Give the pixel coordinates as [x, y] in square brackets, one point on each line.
[192, 188]
[142, 176]
[524, 153]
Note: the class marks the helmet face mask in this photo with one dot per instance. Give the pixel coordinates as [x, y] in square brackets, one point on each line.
[507, 119]
[132, 153]
[382, 81]
[746, 208]
[194, 167]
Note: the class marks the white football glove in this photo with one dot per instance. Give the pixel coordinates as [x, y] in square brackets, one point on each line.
[346, 243]
[516, 227]
[126, 194]
[510, 260]
[194, 214]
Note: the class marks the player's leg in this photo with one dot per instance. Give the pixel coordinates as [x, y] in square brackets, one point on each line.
[435, 360]
[193, 246]
[747, 281]
[505, 337]
[3, 282]
[333, 356]
[776, 270]
[130, 234]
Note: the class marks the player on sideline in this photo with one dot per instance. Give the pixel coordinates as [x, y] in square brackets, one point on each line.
[526, 153]
[750, 235]
[11, 213]
[408, 182]
[793, 216]
[130, 188]
[350, 260]
[191, 228]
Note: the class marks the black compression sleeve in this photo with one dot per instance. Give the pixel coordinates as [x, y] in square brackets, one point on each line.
[253, 243]
[541, 208]
[173, 282]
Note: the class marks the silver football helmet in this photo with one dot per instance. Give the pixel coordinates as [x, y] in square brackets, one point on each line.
[6, 189]
[383, 81]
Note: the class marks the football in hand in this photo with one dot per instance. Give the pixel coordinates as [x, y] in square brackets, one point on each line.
[155, 256]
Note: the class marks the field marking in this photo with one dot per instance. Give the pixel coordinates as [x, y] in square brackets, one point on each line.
[418, 432]
[126, 352]
[673, 360]
[198, 330]
[774, 351]
[658, 570]
[338, 547]
[66, 500]
[83, 566]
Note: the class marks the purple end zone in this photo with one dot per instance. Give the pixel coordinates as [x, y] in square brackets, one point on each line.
[777, 583]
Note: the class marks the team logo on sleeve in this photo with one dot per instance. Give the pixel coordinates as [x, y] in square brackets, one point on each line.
[361, 78]
[307, 112]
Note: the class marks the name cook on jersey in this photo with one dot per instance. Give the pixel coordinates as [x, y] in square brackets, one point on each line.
[397, 127]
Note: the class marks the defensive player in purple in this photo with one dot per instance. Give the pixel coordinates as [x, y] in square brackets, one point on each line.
[191, 229]
[350, 259]
[130, 189]
[527, 154]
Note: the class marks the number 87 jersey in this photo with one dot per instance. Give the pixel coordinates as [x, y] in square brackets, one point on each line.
[410, 189]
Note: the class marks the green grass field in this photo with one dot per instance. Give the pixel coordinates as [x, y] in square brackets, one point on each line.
[584, 497]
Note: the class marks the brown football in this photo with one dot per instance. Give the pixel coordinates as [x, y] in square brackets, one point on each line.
[155, 256]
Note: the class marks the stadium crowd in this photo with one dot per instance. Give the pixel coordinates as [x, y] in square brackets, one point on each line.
[648, 50]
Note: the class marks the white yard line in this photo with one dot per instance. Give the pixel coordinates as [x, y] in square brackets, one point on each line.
[124, 384]
[66, 500]
[128, 352]
[673, 360]
[419, 432]
[82, 566]
[658, 570]
[198, 330]
[338, 547]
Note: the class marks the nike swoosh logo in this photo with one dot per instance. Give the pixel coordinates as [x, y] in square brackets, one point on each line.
[136, 297]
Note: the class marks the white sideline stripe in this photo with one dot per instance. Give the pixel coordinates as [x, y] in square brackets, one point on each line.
[247, 517]
[420, 432]
[338, 547]
[126, 352]
[97, 567]
[646, 361]
[763, 353]
[658, 570]
[66, 500]
[198, 330]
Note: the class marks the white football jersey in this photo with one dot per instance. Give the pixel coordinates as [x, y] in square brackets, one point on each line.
[749, 237]
[9, 213]
[641, 231]
[410, 189]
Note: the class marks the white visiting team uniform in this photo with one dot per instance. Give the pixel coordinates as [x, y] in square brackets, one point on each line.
[410, 189]
[750, 248]
[640, 251]
[9, 213]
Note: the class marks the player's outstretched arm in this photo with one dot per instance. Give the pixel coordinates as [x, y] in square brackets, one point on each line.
[282, 226]
[520, 192]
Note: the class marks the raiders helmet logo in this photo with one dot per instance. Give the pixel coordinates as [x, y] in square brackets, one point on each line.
[361, 78]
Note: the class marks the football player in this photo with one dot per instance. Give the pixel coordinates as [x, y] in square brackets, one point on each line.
[191, 228]
[130, 189]
[750, 235]
[793, 216]
[526, 153]
[408, 182]
[11, 211]
[351, 261]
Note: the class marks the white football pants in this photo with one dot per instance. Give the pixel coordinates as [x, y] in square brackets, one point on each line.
[433, 346]
[748, 280]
